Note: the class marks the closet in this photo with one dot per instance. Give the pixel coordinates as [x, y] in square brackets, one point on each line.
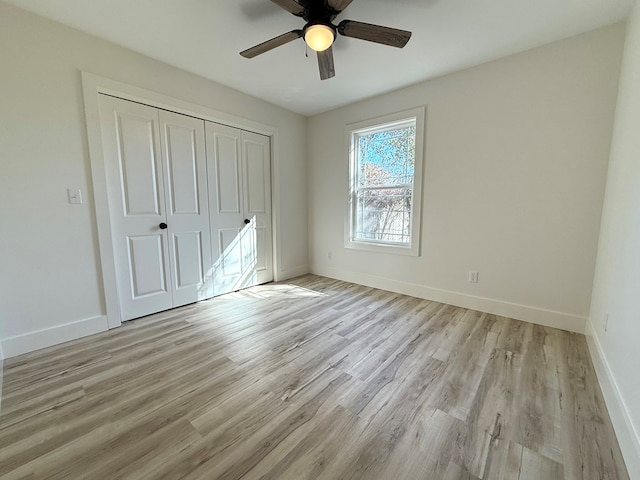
[189, 206]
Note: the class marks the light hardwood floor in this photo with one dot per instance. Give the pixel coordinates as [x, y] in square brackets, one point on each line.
[310, 379]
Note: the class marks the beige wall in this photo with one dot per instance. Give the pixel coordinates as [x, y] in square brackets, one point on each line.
[48, 248]
[616, 288]
[514, 174]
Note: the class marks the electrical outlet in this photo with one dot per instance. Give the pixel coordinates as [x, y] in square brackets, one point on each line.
[474, 276]
[605, 323]
[329, 254]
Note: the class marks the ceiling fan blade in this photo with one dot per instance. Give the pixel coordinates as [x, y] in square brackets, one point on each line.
[339, 5]
[290, 6]
[325, 64]
[271, 44]
[374, 33]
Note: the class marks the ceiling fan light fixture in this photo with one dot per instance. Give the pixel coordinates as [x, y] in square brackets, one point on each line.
[319, 37]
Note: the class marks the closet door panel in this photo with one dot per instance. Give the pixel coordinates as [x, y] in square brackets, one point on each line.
[134, 171]
[181, 146]
[188, 252]
[226, 206]
[231, 257]
[227, 172]
[187, 200]
[147, 266]
[256, 155]
[138, 164]
[256, 177]
[261, 257]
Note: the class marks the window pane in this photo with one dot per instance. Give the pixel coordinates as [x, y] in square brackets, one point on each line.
[383, 215]
[385, 176]
[386, 157]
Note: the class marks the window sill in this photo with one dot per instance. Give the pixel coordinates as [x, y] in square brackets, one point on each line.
[411, 251]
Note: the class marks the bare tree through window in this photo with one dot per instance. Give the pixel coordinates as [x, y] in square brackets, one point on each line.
[384, 174]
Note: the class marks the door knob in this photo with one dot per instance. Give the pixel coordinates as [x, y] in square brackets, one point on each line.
[247, 221]
[162, 226]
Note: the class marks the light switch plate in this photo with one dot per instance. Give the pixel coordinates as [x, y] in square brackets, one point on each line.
[75, 196]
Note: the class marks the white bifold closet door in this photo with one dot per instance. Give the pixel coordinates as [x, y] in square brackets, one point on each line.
[239, 170]
[155, 164]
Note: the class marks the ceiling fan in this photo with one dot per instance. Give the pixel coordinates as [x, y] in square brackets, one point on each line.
[319, 32]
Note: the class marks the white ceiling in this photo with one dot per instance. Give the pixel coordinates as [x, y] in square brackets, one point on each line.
[205, 37]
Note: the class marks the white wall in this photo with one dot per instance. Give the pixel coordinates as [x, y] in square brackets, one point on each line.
[49, 267]
[515, 168]
[616, 288]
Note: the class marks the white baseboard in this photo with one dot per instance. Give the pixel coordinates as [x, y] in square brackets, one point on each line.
[14, 346]
[1, 374]
[292, 272]
[628, 437]
[541, 316]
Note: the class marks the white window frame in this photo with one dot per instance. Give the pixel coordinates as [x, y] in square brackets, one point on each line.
[413, 249]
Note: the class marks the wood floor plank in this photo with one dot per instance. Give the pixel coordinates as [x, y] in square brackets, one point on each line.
[534, 466]
[312, 378]
[589, 445]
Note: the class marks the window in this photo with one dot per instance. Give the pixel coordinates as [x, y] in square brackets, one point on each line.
[385, 179]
